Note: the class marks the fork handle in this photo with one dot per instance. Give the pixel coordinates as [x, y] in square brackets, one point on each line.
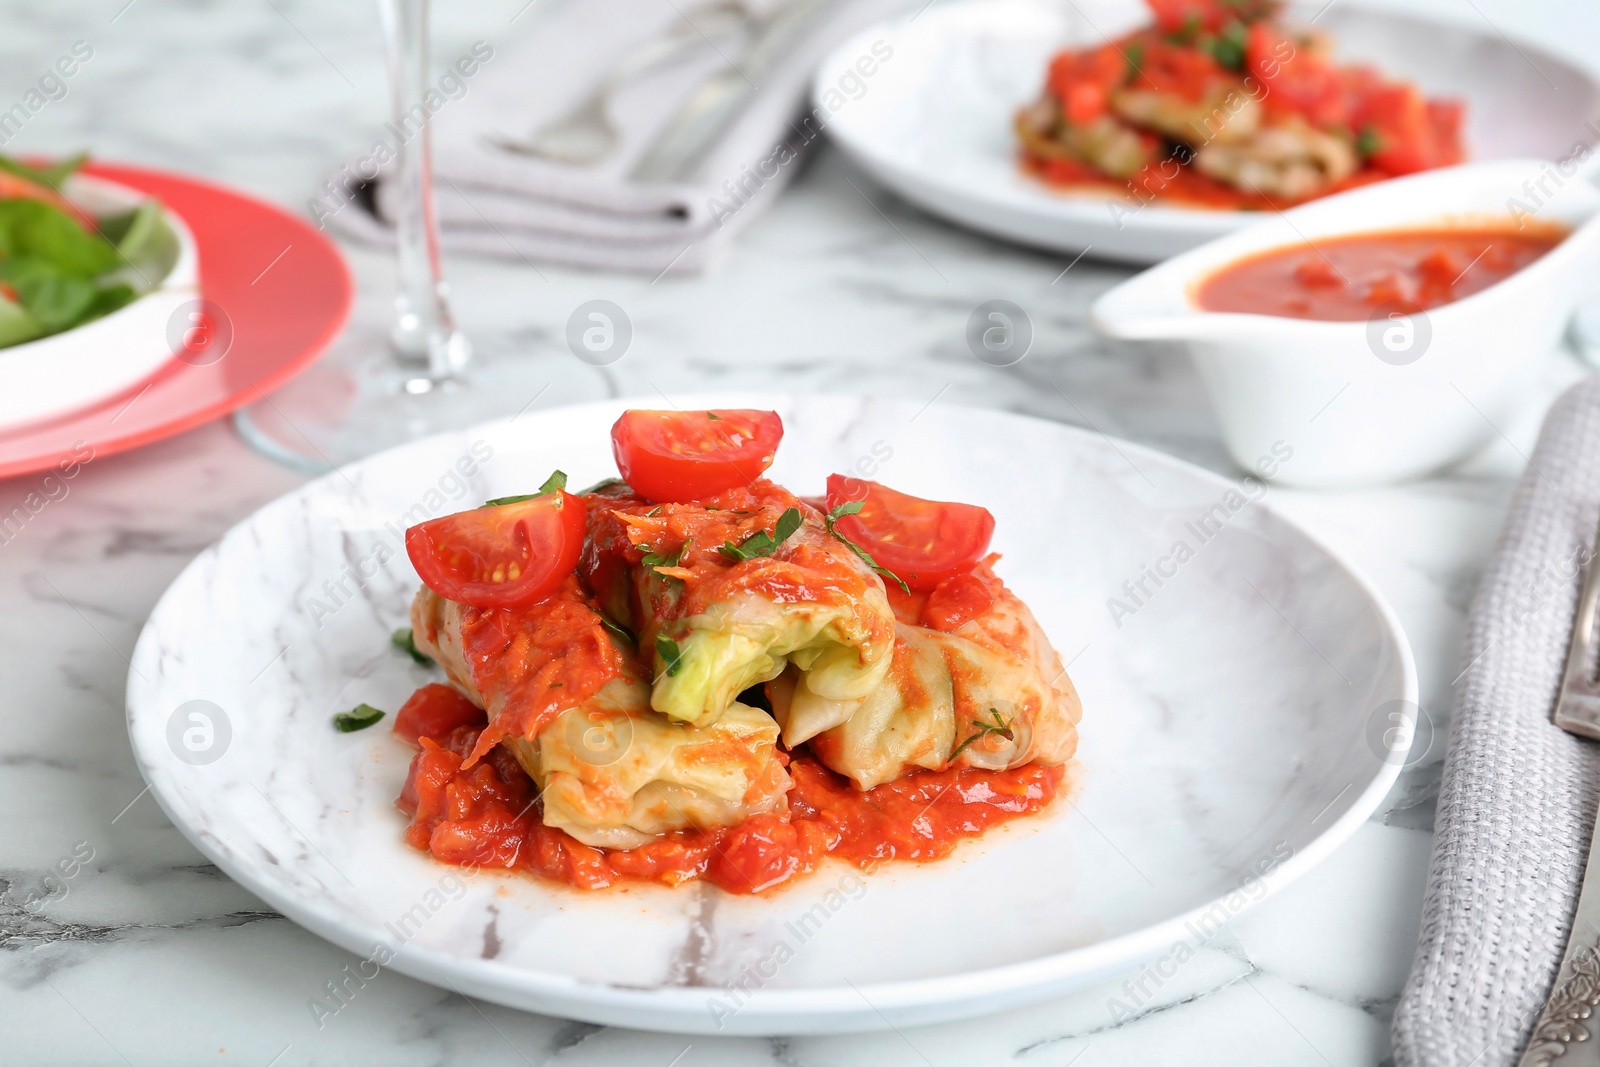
[1568, 1029]
[1578, 710]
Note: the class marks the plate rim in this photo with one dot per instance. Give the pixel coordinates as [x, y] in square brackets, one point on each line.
[683, 1009]
[64, 425]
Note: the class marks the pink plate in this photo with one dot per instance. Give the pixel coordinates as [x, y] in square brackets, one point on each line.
[276, 292]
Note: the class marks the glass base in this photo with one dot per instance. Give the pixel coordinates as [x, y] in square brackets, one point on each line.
[361, 398]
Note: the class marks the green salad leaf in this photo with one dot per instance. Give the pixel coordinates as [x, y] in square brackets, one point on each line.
[57, 274]
[47, 237]
[53, 175]
[16, 325]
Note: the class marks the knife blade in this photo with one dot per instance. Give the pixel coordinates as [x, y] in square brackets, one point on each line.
[681, 145]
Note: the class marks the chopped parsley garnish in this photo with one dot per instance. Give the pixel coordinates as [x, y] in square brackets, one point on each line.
[1135, 57]
[1188, 31]
[556, 481]
[52, 175]
[713, 416]
[357, 718]
[405, 641]
[984, 729]
[617, 629]
[762, 543]
[1228, 48]
[670, 654]
[850, 508]
[1368, 142]
[656, 559]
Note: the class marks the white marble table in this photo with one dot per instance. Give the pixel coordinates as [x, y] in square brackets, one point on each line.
[150, 955]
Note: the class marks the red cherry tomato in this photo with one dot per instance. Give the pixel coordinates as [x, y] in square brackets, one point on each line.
[1178, 70]
[1083, 81]
[923, 542]
[1296, 81]
[433, 711]
[1411, 132]
[680, 456]
[505, 556]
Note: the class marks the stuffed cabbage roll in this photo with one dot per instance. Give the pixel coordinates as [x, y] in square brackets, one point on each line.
[726, 593]
[573, 707]
[974, 682]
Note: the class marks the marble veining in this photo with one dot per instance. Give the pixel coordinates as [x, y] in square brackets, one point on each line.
[823, 293]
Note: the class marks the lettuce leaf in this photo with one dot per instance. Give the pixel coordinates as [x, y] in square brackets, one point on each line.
[62, 275]
[53, 175]
[35, 230]
[16, 325]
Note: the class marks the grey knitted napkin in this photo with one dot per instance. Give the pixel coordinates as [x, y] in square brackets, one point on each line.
[499, 201]
[1518, 798]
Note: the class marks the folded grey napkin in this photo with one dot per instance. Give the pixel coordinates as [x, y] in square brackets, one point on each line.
[1517, 802]
[663, 61]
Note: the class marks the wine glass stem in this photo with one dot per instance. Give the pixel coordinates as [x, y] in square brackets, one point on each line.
[424, 330]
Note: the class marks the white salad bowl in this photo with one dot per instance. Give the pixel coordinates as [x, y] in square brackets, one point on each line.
[71, 370]
[1394, 397]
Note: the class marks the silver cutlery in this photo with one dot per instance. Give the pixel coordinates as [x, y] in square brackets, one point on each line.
[585, 135]
[679, 149]
[1578, 710]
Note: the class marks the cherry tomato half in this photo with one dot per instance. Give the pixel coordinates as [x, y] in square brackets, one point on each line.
[922, 541]
[680, 456]
[505, 556]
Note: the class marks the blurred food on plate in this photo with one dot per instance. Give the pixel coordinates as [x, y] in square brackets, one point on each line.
[1221, 104]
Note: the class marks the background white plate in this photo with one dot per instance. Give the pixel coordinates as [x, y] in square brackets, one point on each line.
[1236, 729]
[934, 121]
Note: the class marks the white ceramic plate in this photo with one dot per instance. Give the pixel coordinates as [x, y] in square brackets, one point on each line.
[1236, 728]
[933, 122]
[67, 371]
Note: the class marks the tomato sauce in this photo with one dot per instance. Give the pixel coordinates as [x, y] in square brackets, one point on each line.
[1347, 279]
[1177, 184]
[537, 664]
[488, 815]
[809, 567]
[953, 602]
